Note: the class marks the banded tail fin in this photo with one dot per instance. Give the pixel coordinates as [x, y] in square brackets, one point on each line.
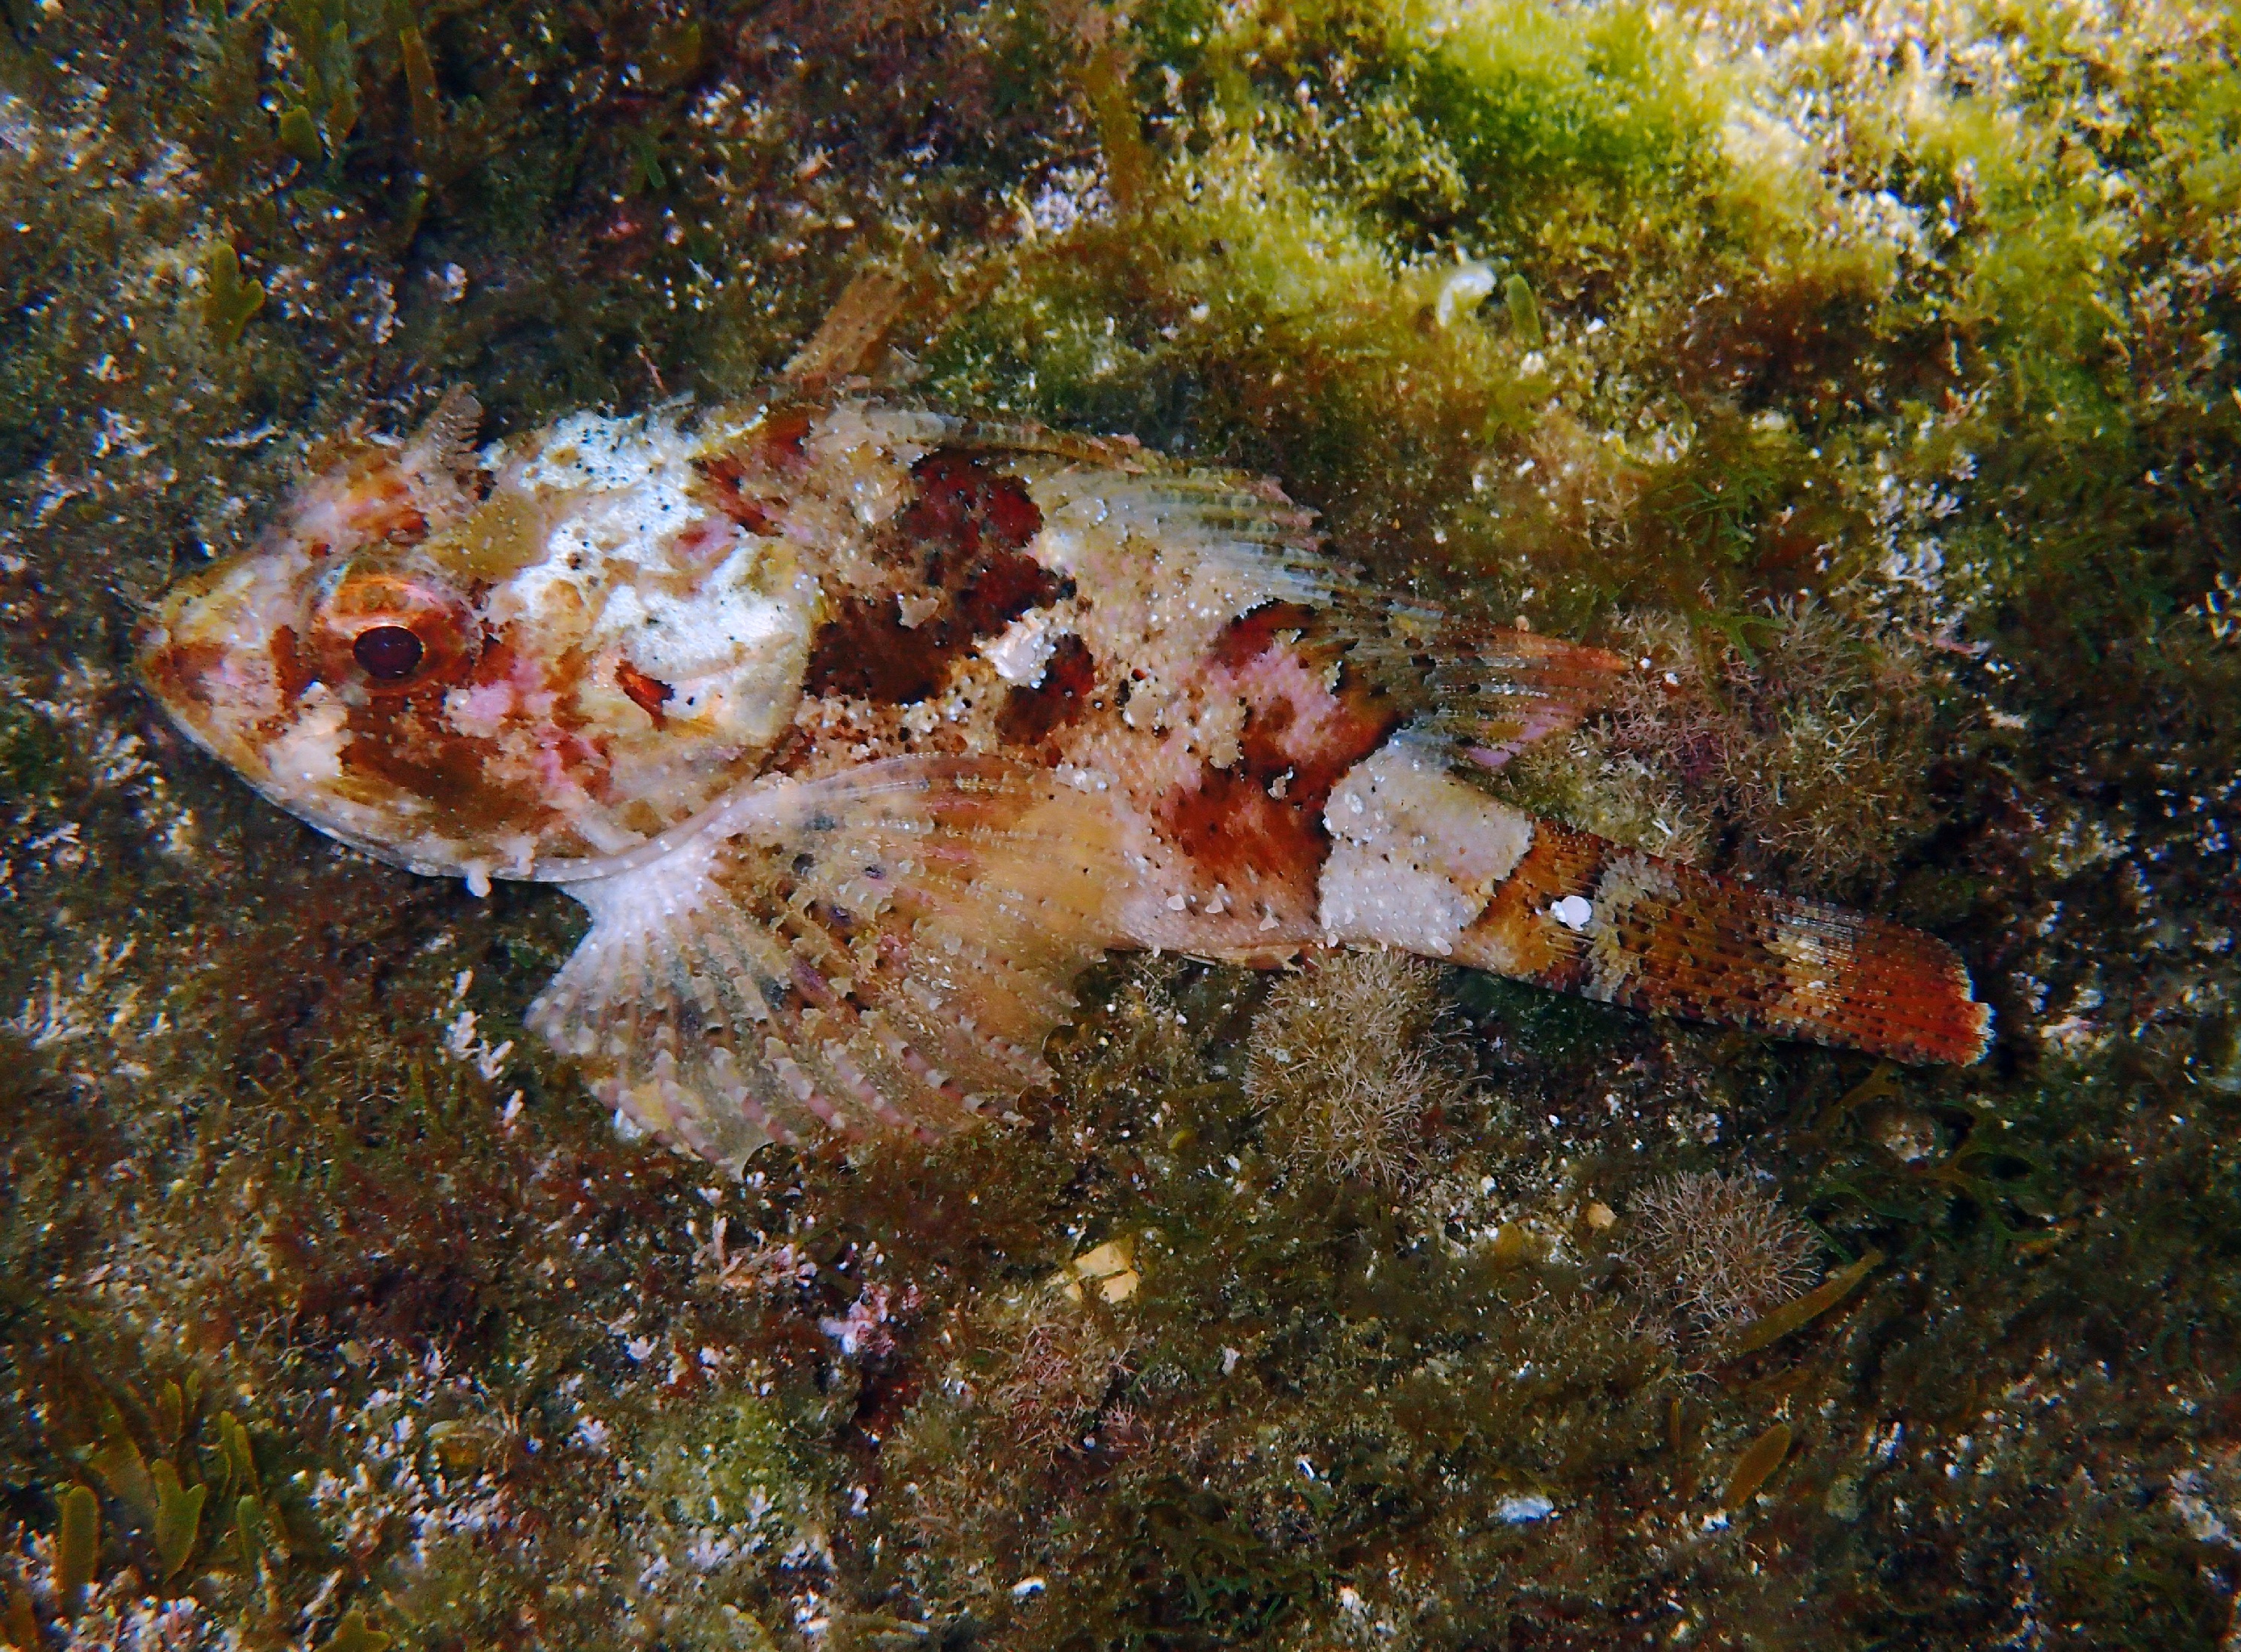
[1585, 915]
[1423, 861]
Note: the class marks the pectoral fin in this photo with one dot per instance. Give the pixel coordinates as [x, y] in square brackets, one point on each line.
[880, 951]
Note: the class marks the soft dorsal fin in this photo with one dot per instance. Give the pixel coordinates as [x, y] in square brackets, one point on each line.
[882, 950]
[1495, 690]
[855, 331]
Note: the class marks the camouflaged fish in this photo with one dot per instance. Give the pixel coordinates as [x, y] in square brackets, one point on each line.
[861, 730]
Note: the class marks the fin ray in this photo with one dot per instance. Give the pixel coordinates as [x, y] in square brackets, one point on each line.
[883, 950]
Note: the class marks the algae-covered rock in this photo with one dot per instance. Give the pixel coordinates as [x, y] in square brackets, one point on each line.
[1868, 378]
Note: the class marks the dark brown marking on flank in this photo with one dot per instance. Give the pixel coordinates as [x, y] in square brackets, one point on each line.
[967, 525]
[648, 693]
[293, 671]
[405, 742]
[999, 588]
[1238, 835]
[180, 670]
[1230, 821]
[783, 442]
[1029, 714]
[865, 651]
[961, 537]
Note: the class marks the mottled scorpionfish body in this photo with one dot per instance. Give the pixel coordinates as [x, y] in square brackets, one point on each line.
[861, 730]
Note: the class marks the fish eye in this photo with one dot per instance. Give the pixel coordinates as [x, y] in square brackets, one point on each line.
[388, 652]
[390, 628]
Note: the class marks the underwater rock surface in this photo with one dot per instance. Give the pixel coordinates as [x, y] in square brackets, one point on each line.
[1869, 373]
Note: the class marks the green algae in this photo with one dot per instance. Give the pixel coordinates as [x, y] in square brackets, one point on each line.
[1756, 1467]
[78, 1547]
[1770, 1329]
[1877, 386]
[178, 1516]
[229, 303]
[353, 1633]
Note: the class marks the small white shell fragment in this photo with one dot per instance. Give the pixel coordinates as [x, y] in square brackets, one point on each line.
[1523, 1509]
[1574, 912]
[1022, 652]
[1461, 292]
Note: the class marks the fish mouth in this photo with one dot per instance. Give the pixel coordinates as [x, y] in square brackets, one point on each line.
[180, 653]
[156, 650]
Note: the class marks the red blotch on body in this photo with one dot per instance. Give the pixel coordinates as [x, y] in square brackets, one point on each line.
[706, 542]
[1029, 714]
[1249, 635]
[289, 669]
[1260, 820]
[649, 694]
[865, 651]
[725, 480]
[783, 444]
[961, 534]
[970, 523]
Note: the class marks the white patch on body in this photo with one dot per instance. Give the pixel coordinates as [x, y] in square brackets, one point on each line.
[731, 644]
[1574, 912]
[1415, 853]
[1024, 651]
[874, 449]
[311, 752]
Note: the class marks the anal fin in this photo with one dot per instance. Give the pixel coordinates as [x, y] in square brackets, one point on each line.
[880, 951]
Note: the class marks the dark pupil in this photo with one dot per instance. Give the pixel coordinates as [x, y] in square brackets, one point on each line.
[387, 652]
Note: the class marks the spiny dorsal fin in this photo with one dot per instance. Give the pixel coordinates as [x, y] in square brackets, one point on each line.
[884, 950]
[855, 332]
[443, 448]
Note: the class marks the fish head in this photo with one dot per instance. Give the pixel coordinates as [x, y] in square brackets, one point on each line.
[511, 664]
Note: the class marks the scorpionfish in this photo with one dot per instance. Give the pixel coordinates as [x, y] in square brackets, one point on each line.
[862, 730]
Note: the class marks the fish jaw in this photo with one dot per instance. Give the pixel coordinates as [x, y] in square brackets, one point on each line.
[195, 657]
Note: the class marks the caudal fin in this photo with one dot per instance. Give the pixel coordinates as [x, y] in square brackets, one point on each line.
[1584, 916]
[1422, 861]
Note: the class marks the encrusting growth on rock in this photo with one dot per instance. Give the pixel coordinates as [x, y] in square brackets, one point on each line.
[1345, 1066]
[1719, 1249]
